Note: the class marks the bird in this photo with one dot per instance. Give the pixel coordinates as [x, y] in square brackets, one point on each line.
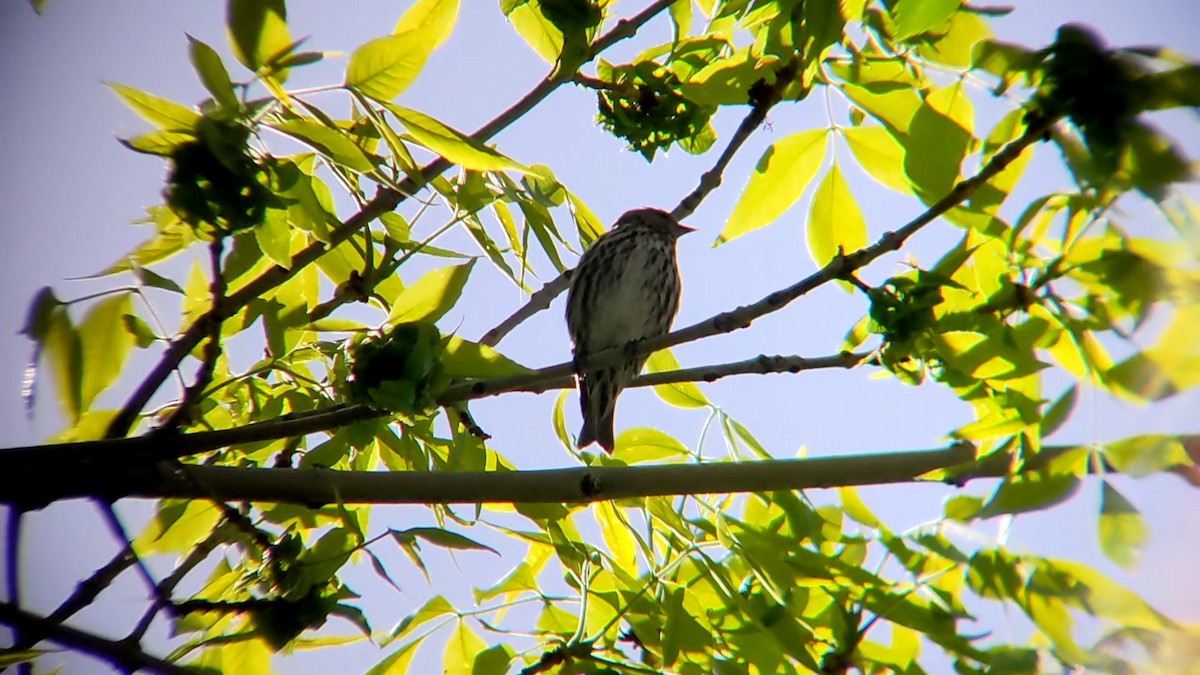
[625, 288]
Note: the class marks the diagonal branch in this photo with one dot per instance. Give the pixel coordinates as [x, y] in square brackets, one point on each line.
[385, 200]
[120, 655]
[212, 349]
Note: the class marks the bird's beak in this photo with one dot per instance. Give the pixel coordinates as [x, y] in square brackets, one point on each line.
[681, 229]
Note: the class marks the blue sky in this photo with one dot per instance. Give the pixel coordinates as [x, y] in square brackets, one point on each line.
[70, 190]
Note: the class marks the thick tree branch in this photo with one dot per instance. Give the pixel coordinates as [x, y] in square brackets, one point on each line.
[386, 200]
[76, 463]
[318, 487]
[122, 656]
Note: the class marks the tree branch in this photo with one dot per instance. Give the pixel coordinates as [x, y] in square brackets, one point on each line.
[212, 349]
[121, 655]
[385, 200]
[78, 464]
[318, 487]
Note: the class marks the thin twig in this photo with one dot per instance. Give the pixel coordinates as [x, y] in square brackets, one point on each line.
[12, 560]
[385, 200]
[121, 655]
[167, 586]
[89, 589]
[540, 300]
[212, 350]
[118, 532]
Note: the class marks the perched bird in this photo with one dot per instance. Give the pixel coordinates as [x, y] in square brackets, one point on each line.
[625, 288]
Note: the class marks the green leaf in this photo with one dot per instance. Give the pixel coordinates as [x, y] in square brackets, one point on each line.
[164, 114]
[963, 508]
[937, 142]
[439, 537]
[212, 73]
[434, 608]
[782, 174]
[1059, 411]
[63, 353]
[431, 296]
[463, 359]
[398, 661]
[105, 343]
[1139, 456]
[643, 444]
[854, 507]
[679, 394]
[461, 649]
[914, 17]
[494, 660]
[274, 237]
[383, 68]
[879, 155]
[143, 335]
[1029, 492]
[178, 525]
[835, 224]
[257, 30]
[1122, 530]
[615, 531]
[333, 144]
[452, 145]
[533, 27]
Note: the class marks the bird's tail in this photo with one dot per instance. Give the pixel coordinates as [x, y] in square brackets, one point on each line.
[597, 402]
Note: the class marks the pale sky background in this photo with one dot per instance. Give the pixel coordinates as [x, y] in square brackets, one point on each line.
[70, 190]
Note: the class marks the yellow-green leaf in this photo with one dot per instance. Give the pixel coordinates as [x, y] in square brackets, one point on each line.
[431, 296]
[463, 359]
[782, 174]
[538, 33]
[938, 138]
[331, 143]
[615, 531]
[1122, 530]
[643, 444]
[104, 345]
[879, 155]
[914, 17]
[835, 223]
[679, 394]
[436, 17]
[212, 73]
[164, 114]
[449, 143]
[385, 67]
[257, 30]
[461, 649]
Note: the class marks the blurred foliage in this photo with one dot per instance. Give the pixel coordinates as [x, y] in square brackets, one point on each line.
[775, 582]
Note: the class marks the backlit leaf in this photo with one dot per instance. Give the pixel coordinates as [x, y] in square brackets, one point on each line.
[257, 30]
[835, 223]
[1122, 530]
[431, 296]
[679, 394]
[454, 146]
[782, 174]
[330, 143]
[164, 114]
